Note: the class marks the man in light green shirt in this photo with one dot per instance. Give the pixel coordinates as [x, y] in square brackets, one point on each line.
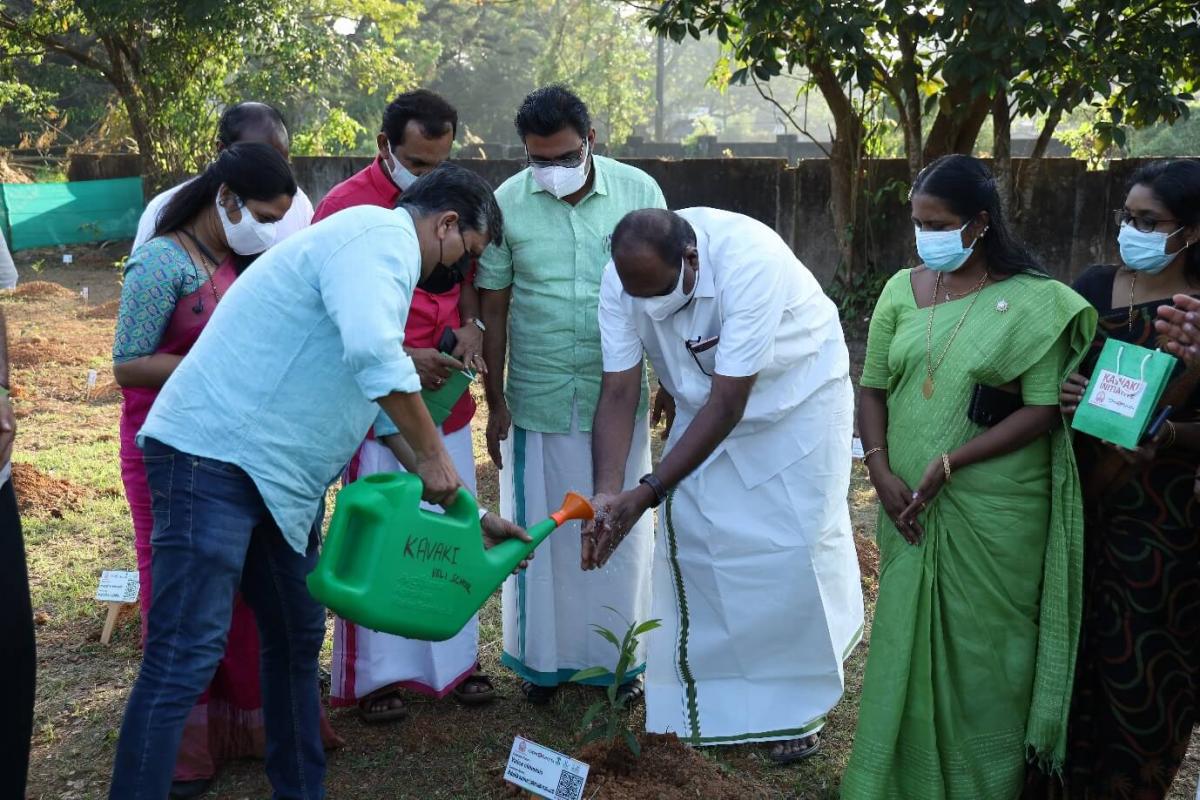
[539, 296]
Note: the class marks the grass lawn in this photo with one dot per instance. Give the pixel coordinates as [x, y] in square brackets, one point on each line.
[76, 525]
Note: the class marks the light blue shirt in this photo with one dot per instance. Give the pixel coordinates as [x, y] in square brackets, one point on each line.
[282, 381]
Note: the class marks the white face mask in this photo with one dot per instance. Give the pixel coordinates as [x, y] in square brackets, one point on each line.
[563, 181]
[248, 236]
[400, 174]
[663, 306]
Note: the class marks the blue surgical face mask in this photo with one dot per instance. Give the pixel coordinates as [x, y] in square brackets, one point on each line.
[1146, 252]
[943, 251]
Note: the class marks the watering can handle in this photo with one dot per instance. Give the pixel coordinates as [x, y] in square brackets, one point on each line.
[464, 507]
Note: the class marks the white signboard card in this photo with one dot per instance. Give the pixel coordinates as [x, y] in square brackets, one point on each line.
[545, 772]
[118, 586]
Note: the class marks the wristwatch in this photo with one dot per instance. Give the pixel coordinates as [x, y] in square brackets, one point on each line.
[478, 323]
[656, 486]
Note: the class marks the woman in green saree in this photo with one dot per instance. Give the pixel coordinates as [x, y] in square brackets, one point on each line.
[980, 535]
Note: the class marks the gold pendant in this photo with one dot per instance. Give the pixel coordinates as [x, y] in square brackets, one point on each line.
[927, 389]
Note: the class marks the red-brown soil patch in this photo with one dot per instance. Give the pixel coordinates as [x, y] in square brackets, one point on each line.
[42, 495]
[35, 290]
[103, 311]
[667, 770]
[34, 351]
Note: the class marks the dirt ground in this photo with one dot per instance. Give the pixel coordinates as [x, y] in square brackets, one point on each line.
[76, 525]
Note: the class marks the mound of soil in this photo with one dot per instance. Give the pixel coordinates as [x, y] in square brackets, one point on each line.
[35, 351]
[103, 311]
[667, 770]
[42, 495]
[36, 290]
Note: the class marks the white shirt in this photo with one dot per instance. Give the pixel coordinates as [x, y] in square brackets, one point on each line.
[773, 320]
[297, 218]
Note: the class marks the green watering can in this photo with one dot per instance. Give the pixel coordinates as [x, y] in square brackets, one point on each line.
[391, 566]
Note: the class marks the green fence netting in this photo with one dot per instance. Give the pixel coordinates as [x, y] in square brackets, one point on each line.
[47, 214]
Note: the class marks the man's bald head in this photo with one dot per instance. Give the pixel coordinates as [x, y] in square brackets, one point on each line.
[648, 247]
[253, 122]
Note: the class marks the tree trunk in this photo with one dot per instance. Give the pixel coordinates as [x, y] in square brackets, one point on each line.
[139, 116]
[957, 124]
[845, 161]
[1002, 151]
[911, 106]
[1028, 176]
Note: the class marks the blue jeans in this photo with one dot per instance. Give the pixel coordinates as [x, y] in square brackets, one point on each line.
[213, 534]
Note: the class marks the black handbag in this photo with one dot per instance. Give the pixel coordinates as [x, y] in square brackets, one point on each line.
[990, 405]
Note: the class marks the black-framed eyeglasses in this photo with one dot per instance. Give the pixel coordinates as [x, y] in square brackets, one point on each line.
[569, 162]
[1140, 224]
[700, 345]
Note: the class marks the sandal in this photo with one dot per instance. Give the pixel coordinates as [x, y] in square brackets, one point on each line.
[791, 756]
[538, 695]
[375, 716]
[631, 691]
[483, 693]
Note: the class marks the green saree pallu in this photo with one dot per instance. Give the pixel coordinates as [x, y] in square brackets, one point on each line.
[973, 643]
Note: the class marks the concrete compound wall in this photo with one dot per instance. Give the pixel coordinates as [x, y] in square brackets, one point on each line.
[1069, 224]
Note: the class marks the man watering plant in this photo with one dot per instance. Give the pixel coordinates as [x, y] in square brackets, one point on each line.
[246, 436]
[755, 575]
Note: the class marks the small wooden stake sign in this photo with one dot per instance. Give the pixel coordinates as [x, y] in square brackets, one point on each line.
[119, 589]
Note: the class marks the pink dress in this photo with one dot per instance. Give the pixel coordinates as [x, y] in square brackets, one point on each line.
[227, 721]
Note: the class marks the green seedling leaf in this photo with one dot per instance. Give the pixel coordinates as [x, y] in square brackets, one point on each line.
[589, 716]
[588, 674]
[609, 635]
[647, 626]
[634, 746]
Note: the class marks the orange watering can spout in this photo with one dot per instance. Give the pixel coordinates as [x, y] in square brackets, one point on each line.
[575, 506]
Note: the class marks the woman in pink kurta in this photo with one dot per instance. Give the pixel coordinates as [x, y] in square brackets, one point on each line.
[173, 284]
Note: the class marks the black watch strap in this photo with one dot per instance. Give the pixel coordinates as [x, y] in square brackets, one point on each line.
[660, 491]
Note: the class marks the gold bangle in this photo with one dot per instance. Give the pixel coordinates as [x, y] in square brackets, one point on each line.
[872, 452]
[946, 465]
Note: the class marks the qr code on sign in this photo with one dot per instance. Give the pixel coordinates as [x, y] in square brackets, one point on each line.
[570, 787]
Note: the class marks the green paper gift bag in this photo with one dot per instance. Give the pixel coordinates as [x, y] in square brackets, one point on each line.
[1123, 393]
[441, 402]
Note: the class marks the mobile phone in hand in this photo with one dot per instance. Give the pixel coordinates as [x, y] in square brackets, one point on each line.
[1156, 426]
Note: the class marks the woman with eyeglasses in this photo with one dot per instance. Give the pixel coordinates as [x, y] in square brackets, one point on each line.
[959, 416]
[207, 233]
[1139, 657]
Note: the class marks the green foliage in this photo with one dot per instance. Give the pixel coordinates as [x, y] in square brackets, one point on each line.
[952, 58]
[604, 720]
[855, 294]
[491, 54]
[174, 64]
[1181, 138]
[703, 125]
[334, 134]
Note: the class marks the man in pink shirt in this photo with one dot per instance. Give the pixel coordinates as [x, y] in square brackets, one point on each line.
[371, 668]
